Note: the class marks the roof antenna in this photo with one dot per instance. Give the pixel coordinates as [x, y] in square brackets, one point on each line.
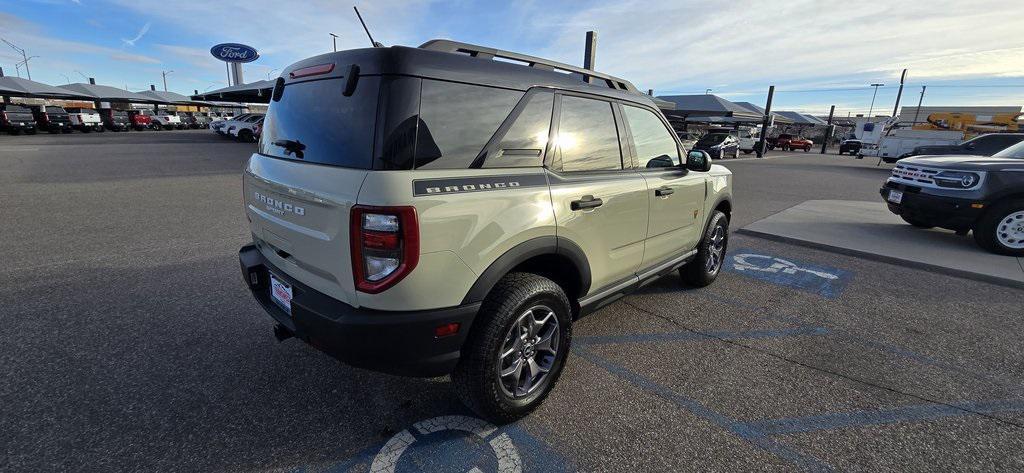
[367, 30]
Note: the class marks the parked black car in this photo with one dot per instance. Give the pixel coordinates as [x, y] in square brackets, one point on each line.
[850, 147]
[964, 193]
[15, 119]
[115, 120]
[52, 118]
[984, 145]
[718, 145]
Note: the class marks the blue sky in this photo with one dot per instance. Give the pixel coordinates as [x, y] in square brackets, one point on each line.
[816, 52]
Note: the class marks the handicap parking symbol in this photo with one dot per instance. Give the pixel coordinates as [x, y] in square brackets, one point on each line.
[822, 280]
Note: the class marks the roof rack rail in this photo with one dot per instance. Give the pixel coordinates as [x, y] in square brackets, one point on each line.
[484, 52]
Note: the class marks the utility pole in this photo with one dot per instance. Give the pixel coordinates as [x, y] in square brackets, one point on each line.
[24, 57]
[918, 112]
[164, 73]
[590, 53]
[765, 123]
[872, 109]
[899, 94]
[828, 130]
[334, 41]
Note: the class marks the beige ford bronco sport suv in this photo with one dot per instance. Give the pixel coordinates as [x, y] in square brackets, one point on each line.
[452, 209]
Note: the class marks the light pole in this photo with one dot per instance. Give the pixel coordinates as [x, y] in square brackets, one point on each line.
[83, 75]
[66, 77]
[24, 57]
[270, 72]
[707, 92]
[164, 73]
[334, 41]
[872, 109]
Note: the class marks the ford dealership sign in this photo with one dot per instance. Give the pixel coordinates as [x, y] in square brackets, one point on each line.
[234, 52]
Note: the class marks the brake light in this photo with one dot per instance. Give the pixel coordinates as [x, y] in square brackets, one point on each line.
[4, 115]
[385, 246]
[312, 70]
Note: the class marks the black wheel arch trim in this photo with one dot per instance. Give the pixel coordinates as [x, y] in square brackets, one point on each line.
[539, 246]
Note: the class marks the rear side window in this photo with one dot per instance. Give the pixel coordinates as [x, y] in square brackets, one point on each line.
[314, 122]
[587, 139]
[655, 147]
[524, 142]
[457, 120]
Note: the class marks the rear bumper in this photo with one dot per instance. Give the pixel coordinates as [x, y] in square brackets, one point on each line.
[937, 210]
[401, 343]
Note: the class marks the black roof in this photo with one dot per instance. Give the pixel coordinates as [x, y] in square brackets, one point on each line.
[461, 62]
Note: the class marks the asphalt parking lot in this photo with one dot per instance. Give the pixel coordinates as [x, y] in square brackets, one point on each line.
[129, 342]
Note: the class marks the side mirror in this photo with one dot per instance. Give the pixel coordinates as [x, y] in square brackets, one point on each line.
[697, 160]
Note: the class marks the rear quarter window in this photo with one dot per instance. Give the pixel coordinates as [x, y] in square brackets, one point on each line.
[314, 122]
[457, 120]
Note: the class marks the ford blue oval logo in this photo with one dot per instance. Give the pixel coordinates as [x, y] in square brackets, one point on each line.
[234, 52]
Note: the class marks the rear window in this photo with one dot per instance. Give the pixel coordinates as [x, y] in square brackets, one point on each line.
[55, 110]
[314, 122]
[16, 109]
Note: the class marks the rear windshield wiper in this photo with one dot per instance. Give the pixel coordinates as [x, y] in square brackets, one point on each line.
[291, 147]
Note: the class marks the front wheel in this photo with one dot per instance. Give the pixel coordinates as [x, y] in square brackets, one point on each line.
[516, 348]
[1001, 229]
[704, 268]
[158, 127]
[736, 154]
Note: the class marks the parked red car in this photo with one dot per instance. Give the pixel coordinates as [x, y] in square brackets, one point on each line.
[141, 119]
[787, 142]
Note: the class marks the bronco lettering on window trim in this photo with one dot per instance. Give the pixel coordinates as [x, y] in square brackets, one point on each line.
[456, 185]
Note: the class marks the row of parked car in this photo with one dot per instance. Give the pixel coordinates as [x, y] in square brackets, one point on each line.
[246, 127]
[29, 119]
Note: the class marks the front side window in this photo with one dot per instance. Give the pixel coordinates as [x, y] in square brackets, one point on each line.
[457, 120]
[587, 139]
[523, 145]
[655, 147]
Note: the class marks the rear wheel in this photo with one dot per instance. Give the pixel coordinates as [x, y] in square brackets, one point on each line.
[704, 268]
[157, 126]
[1001, 229]
[736, 153]
[246, 136]
[916, 222]
[516, 348]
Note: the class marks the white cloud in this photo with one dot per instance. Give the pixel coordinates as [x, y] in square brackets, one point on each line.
[142, 32]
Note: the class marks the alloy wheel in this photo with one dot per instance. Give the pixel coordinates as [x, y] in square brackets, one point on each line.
[716, 247]
[528, 352]
[1010, 231]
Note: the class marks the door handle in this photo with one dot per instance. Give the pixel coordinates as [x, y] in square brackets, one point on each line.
[586, 202]
[664, 191]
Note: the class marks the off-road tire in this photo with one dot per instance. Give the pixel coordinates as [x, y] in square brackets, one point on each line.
[695, 273]
[476, 378]
[917, 223]
[985, 231]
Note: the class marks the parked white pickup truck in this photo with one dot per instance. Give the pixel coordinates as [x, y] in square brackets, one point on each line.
[167, 120]
[85, 119]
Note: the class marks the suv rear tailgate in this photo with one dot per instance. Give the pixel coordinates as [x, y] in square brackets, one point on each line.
[299, 217]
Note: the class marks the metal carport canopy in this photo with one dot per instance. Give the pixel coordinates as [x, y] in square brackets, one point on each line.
[800, 119]
[707, 105]
[106, 93]
[19, 87]
[256, 92]
[159, 96]
[776, 117]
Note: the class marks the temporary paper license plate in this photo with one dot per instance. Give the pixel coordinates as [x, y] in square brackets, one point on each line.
[281, 293]
[895, 196]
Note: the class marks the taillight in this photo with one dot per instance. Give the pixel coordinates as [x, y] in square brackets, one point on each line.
[385, 246]
[3, 115]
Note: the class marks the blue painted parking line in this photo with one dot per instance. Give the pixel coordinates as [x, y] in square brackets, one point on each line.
[825, 281]
[914, 413]
[691, 336]
[737, 428]
[782, 316]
